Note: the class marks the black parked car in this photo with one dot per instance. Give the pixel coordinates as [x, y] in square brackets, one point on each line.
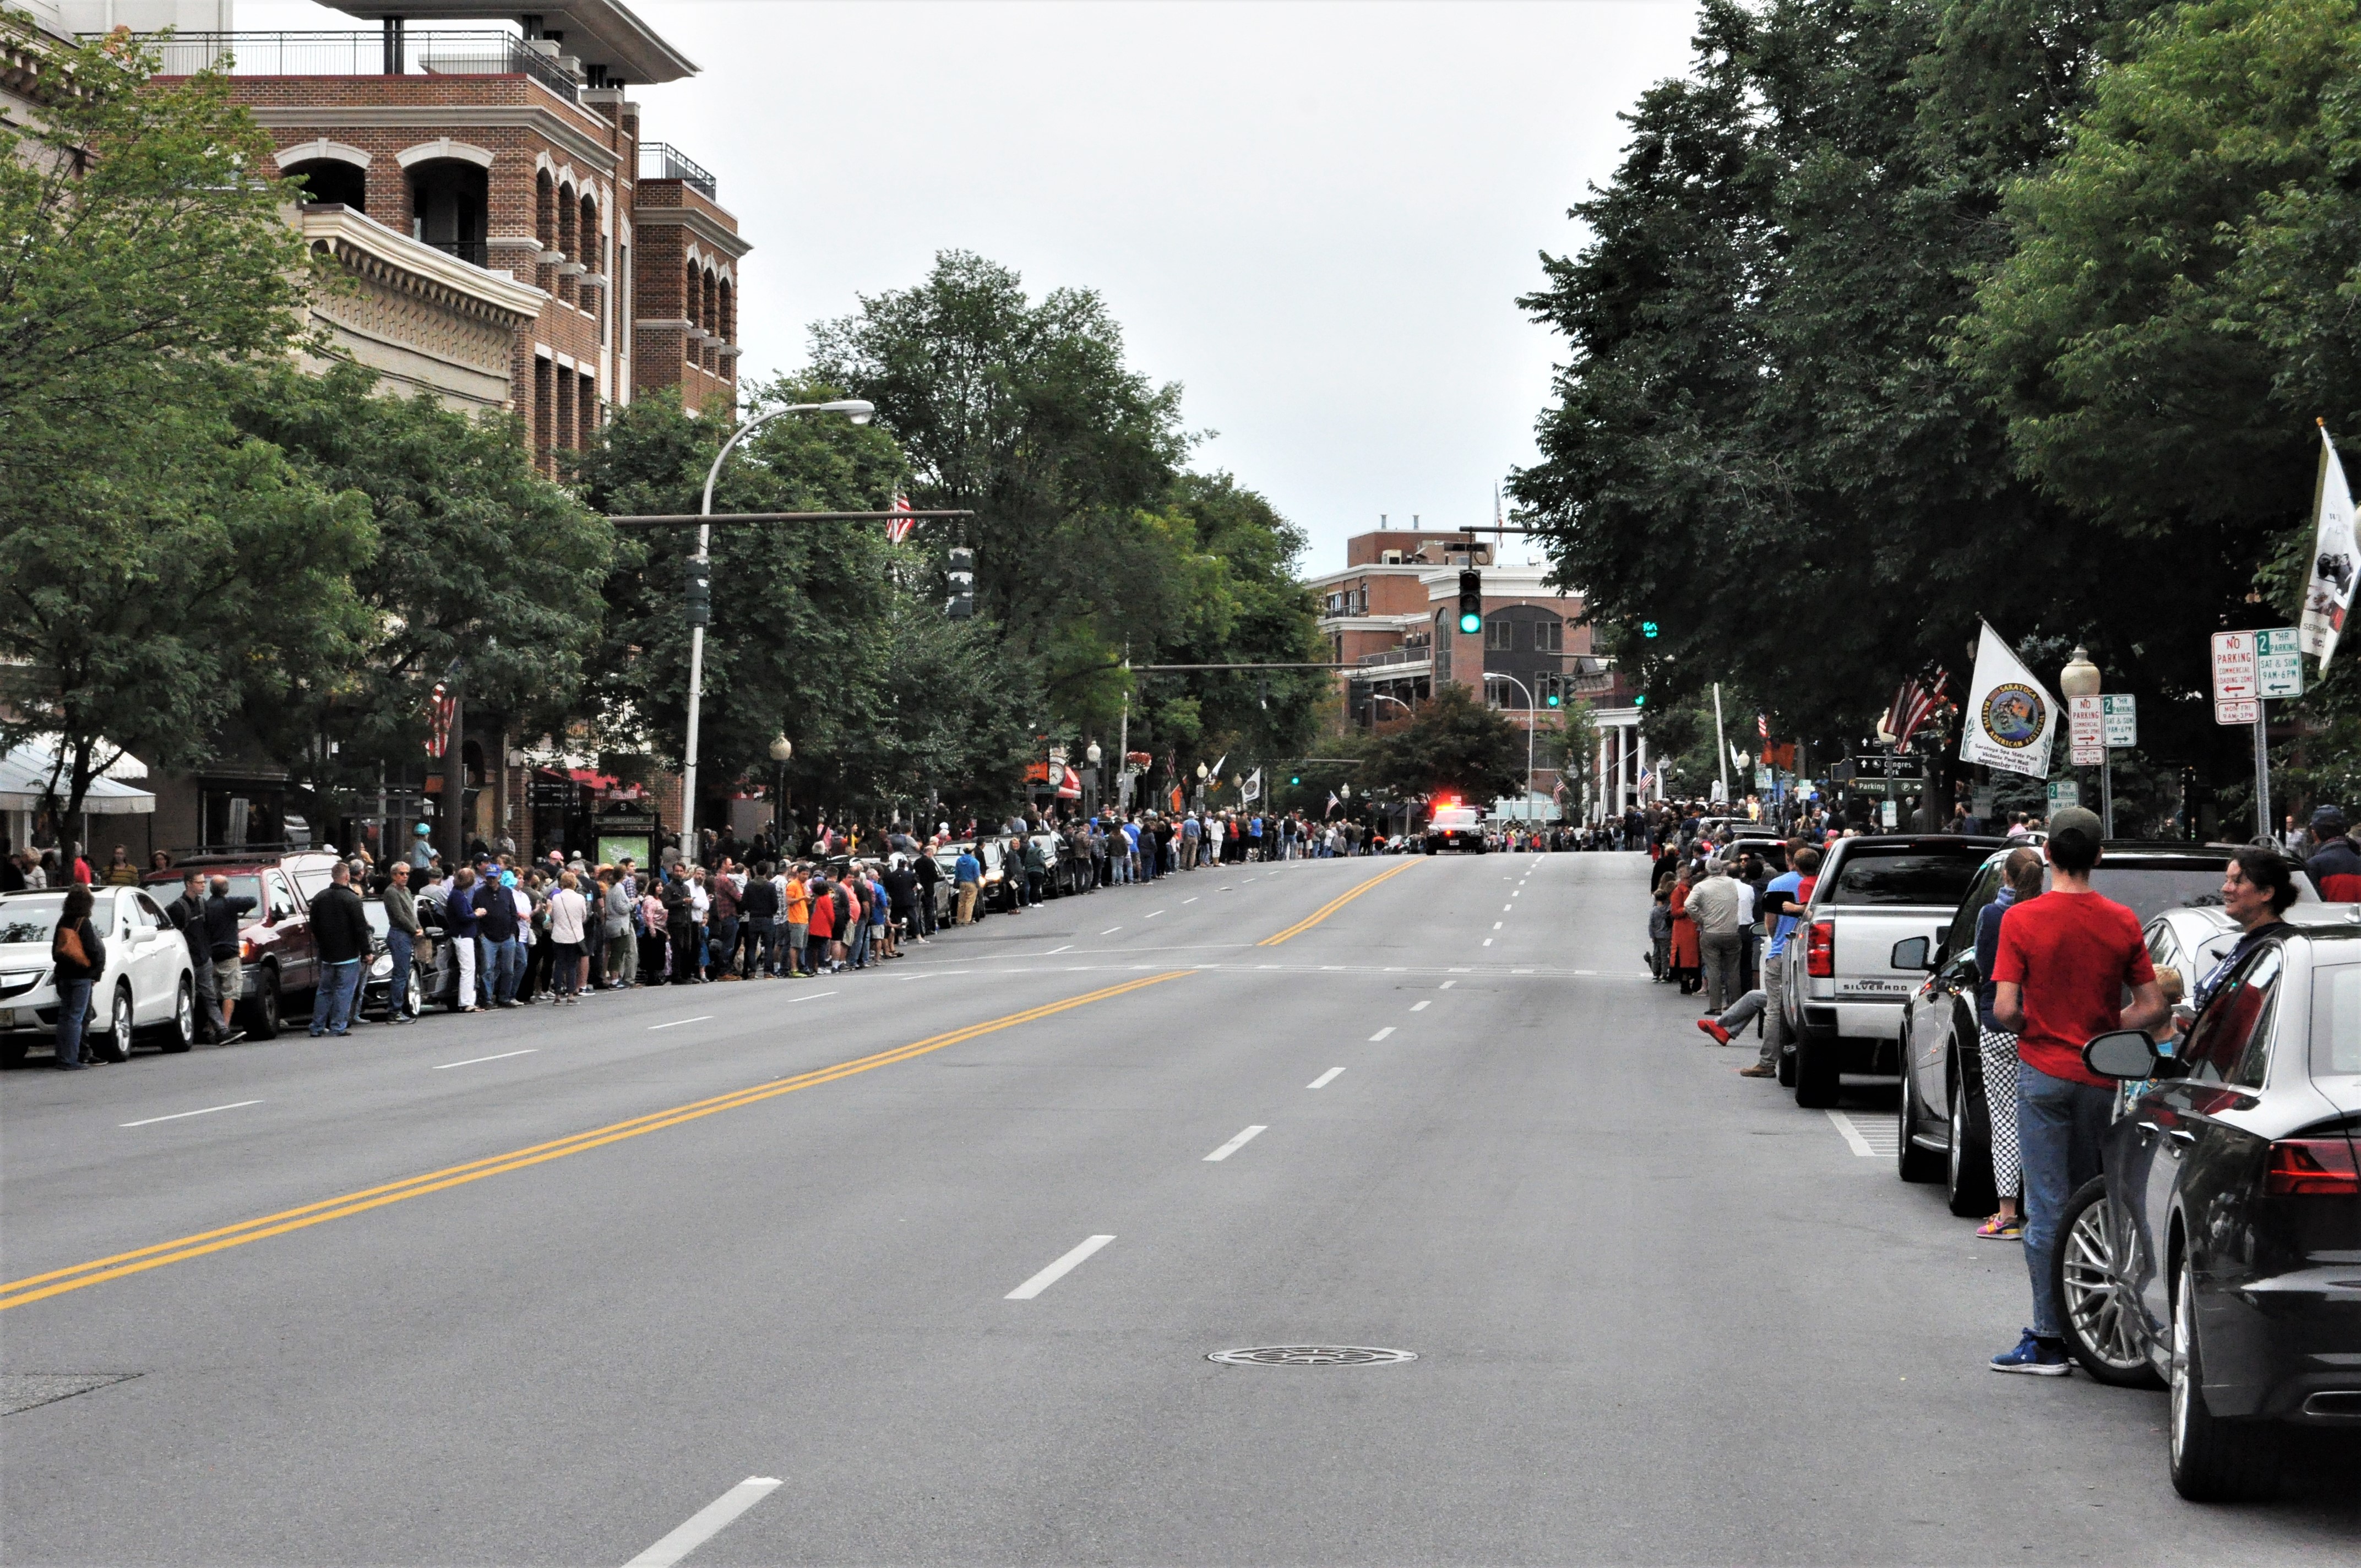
[1946, 1129]
[2220, 1249]
[436, 980]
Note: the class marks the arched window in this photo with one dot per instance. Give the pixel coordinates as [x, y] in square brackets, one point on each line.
[449, 207]
[545, 210]
[593, 253]
[727, 314]
[331, 180]
[566, 214]
[692, 286]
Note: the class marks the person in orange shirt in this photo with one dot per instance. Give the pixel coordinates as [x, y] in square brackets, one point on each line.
[799, 905]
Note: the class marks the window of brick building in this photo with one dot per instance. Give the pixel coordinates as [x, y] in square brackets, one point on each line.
[450, 207]
[565, 428]
[544, 411]
[331, 180]
[587, 402]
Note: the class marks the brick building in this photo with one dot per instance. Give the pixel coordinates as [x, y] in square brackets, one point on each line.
[510, 145]
[1391, 615]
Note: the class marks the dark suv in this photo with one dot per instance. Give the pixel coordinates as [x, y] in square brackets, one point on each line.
[278, 962]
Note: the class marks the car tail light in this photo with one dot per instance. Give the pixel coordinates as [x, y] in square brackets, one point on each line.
[2313, 1168]
[1821, 952]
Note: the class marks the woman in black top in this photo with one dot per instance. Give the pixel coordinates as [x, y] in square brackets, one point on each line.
[81, 957]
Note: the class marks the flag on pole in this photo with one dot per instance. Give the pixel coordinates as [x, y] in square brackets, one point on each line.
[1737, 757]
[1333, 803]
[1252, 788]
[897, 528]
[2329, 595]
[1915, 702]
[2012, 718]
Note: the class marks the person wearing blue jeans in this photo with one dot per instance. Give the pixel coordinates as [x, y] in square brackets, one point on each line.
[2064, 958]
[73, 1015]
[506, 964]
[333, 1014]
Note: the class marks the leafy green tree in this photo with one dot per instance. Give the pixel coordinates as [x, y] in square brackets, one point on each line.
[1760, 441]
[1093, 547]
[155, 567]
[478, 558]
[1455, 745]
[818, 630]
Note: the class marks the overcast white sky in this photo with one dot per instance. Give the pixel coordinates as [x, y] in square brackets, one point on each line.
[1315, 216]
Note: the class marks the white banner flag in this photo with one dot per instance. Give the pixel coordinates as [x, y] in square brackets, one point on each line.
[1251, 789]
[2334, 559]
[2011, 717]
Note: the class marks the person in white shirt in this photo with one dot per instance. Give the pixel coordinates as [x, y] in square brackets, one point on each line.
[569, 915]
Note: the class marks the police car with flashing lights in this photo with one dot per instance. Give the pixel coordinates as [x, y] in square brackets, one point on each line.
[1455, 826]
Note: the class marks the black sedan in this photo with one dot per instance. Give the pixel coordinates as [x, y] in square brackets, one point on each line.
[2222, 1246]
[435, 979]
[1946, 1128]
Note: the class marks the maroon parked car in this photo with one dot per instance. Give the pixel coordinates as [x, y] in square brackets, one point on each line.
[278, 965]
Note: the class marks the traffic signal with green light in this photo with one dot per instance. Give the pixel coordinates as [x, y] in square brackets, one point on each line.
[1647, 629]
[1471, 601]
[1295, 778]
[1641, 700]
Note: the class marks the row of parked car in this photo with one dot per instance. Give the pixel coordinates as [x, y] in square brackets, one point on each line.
[2219, 1253]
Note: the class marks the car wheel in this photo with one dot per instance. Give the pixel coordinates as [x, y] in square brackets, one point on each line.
[262, 1012]
[2102, 1326]
[1911, 1162]
[2214, 1460]
[1967, 1167]
[1815, 1072]
[118, 1027]
[181, 1032]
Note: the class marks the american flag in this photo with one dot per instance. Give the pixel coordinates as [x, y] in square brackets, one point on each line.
[898, 527]
[1916, 701]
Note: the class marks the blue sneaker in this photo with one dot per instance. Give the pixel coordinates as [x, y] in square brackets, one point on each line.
[2042, 1359]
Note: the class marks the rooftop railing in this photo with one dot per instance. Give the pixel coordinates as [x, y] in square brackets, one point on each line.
[388, 52]
[662, 161]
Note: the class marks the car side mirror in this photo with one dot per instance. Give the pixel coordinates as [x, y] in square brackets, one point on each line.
[2127, 1055]
[1913, 952]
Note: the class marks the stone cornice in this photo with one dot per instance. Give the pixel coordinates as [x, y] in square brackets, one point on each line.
[696, 223]
[377, 253]
[445, 117]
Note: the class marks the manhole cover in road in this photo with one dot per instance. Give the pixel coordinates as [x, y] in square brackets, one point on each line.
[1311, 1356]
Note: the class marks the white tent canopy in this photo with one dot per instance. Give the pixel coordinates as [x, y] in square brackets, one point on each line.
[24, 775]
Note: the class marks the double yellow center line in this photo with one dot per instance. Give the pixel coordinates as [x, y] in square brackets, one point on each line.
[1335, 903]
[39, 1287]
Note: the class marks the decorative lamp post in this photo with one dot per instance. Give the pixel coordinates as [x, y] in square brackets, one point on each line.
[2082, 678]
[782, 751]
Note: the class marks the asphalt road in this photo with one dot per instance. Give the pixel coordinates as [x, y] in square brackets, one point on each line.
[556, 1286]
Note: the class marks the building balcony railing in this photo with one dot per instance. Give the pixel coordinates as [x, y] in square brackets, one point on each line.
[476, 251]
[662, 161]
[1411, 655]
[393, 51]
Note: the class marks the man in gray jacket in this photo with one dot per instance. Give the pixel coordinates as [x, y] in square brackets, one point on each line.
[401, 937]
[1715, 904]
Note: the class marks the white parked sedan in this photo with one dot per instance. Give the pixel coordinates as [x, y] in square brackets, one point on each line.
[149, 982]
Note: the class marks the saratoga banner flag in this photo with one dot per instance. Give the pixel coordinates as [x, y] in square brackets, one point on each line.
[2011, 717]
[2329, 597]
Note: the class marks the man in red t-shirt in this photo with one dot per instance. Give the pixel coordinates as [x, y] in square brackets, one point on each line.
[2065, 960]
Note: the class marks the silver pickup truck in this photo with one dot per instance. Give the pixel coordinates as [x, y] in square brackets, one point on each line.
[1845, 997]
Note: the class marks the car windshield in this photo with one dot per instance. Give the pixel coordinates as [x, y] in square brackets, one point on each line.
[1454, 819]
[1906, 876]
[373, 911]
[2336, 1021]
[33, 917]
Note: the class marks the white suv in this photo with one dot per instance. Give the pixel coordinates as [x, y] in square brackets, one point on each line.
[149, 982]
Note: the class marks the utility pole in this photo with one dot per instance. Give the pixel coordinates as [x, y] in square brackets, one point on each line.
[1720, 745]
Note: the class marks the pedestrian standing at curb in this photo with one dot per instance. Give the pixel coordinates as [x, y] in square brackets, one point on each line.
[402, 934]
[2020, 874]
[1659, 935]
[2335, 866]
[187, 914]
[460, 930]
[224, 935]
[1715, 904]
[78, 957]
[569, 921]
[340, 935]
[1784, 900]
[2063, 962]
[1686, 958]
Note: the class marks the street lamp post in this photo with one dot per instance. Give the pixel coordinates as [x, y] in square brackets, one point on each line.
[1388, 696]
[2082, 678]
[782, 752]
[1500, 676]
[854, 408]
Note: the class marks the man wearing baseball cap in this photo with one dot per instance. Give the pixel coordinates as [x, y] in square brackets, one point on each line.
[2335, 868]
[2064, 960]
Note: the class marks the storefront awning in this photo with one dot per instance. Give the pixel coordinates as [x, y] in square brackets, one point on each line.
[24, 775]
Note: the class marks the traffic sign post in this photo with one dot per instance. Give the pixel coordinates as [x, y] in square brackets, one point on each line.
[2249, 667]
[2063, 793]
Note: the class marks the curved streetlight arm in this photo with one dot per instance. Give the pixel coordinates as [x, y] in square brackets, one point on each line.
[1502, 676]
[859, 412]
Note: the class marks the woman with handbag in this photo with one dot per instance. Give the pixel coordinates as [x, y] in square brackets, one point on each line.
[80, 956]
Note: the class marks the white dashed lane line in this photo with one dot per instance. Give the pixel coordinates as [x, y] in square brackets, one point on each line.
[1381, 1034]
[1325, 1079]
[1234, 1144]
[1058, 1270]
[502, 1057]
[1421, 1006]
[234, 1105]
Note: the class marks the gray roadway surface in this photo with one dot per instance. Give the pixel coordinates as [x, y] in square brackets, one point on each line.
[1660, 1314]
